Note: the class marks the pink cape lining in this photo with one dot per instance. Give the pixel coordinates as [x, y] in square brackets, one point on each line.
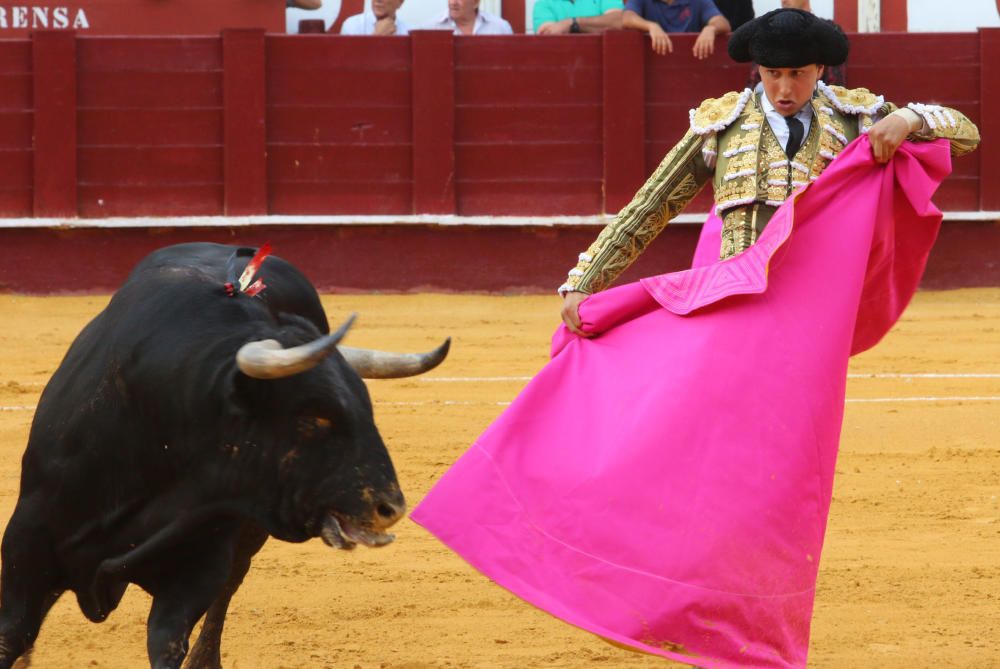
[666, 484]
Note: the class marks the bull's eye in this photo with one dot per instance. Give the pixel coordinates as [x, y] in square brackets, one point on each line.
[314, 426]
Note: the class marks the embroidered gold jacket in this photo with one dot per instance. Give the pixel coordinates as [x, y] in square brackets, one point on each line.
[731, 144]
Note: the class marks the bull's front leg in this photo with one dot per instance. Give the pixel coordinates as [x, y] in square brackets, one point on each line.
[182, 596]
[27, 586]
[207, 653]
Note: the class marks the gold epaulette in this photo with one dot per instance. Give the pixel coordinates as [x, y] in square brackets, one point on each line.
[852, 101]
[715, 114]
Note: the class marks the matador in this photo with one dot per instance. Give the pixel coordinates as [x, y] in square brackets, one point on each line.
[746, 145]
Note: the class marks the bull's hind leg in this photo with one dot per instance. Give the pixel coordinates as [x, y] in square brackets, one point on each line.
[206, 653]
[27, 588]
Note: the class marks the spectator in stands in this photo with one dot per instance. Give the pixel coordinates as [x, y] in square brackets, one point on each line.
[557, 17]
[303, 4]
[379, 20]
[737, 12]
[659, 17]
[465, 18]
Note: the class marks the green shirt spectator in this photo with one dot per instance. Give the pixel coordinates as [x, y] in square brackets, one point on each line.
[555, 17]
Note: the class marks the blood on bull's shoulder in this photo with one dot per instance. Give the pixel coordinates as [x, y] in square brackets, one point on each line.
[208, 407]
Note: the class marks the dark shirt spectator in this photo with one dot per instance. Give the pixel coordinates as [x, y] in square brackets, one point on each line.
[737, 12]
[659, 17]
[675, 16]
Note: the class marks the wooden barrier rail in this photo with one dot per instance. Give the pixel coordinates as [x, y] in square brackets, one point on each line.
[251, 123]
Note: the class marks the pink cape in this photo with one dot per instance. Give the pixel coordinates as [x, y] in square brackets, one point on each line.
[666, 484]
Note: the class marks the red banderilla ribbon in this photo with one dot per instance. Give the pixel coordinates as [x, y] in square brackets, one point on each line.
[251, 270]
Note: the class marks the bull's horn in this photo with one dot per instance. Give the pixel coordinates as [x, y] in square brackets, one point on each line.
[266, 359]
[371, 364]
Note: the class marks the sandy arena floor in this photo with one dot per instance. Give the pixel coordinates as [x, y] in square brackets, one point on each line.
[910, 578]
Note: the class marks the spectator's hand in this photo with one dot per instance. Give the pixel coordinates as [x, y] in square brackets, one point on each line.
[386, 26]
[661, 41]
[888, 135]
[555, 27]
[704, 46]
[571, 312]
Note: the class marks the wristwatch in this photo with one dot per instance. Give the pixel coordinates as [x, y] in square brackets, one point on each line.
[574, 27]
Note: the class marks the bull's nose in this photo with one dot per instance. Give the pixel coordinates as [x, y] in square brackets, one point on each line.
[389, 510]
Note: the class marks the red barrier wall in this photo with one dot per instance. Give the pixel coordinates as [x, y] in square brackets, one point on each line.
[16, 128]
[405, 258]
[324, 124]
[150, 126]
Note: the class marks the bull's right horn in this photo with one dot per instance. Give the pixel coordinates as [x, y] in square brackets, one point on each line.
[266, 359]
[370, 364]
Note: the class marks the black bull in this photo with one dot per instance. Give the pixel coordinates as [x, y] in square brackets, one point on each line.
[185, 425]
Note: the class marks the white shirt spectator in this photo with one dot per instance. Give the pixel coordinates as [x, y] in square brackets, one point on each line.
[364, 24]
[486, 24]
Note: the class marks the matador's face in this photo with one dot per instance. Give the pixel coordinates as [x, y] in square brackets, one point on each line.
[790, 88]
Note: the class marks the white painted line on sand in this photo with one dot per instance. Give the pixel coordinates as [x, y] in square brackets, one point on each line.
[473, 379]
[850, 400]
[956, 398]
[447, 403]
[925, 375]
[874, 375]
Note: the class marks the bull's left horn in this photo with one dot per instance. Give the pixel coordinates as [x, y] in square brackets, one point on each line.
[266, 359]
[371, 364]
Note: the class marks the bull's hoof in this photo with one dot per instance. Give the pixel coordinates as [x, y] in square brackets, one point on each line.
[202, 658]
[23, 662]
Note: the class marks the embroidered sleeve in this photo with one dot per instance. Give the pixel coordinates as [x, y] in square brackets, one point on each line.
[947, 123]
[673, 184]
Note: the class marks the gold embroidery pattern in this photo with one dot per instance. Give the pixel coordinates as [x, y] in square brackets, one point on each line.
[714, 114]
[866, 123]
[739, 183]
[832, 131]
[773, 169]
[852, 101]
[737, 232]
[963, 136]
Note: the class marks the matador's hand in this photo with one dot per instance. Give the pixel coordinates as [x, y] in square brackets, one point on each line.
[888, 135]
[571, 312]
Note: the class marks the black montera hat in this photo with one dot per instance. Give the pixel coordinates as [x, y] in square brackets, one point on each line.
[789, 38]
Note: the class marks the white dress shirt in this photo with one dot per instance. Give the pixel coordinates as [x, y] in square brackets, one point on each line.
[778, 123]
[486, 24]
[364, 24]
